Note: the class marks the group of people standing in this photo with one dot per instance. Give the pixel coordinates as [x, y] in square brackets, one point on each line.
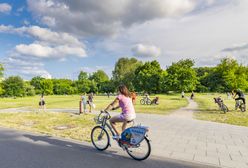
[87, 100]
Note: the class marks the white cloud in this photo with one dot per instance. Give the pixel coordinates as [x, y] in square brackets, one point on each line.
[43, 51]
[142, 50]
[24, 66]
[49, 44]
[5, 8]
[84, 17]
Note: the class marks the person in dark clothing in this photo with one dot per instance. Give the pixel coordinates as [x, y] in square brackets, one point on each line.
[240, 94]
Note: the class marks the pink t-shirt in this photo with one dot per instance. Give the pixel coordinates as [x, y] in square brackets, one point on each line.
[126, 105]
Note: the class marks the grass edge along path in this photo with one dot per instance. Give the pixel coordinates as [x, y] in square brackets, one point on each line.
[209, 111]
[63, 125]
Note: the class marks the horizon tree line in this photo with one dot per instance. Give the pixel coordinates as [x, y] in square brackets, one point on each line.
[139, 77]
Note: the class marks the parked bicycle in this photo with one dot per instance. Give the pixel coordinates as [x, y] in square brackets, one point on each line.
[134, 140]
[240, 105]
[221, 104]
[145, 100]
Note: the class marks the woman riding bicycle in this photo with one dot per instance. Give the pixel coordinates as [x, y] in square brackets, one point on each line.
[123, 101]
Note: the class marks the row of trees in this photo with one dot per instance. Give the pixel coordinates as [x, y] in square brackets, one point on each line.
[138, 76]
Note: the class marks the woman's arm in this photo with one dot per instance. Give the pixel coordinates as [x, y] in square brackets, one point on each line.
[112, 105]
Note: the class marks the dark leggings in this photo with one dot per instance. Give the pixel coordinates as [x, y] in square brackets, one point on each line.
[241, 98]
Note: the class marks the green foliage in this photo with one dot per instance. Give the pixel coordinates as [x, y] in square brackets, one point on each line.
[42, 85]
[46, 86]
[36, 83]
[124, 71]
[148, 77]
[82, 76]
[182, 76]
[107, 87]
[1, 71]
[233, 75]
[29, 89]
[14, 86]
[63, 86]
[99, 76]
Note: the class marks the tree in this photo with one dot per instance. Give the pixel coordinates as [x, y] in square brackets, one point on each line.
[63, 86]
[124, 71]
[29, 89]
[148, 77]
[99, 76]
[14, 86]
[182, 76]
[82, 76]
[232, 75]
[36, 82]
[204, 75]
[1, 71]
[107, 87]
[46, 86]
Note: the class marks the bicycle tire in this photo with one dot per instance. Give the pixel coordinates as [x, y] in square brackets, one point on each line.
[142, 101]
[225, 108]
[145, 156]
[148, 102]
[93, 141]
[242, 107]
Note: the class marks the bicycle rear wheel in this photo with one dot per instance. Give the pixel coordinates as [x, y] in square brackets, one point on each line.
[100, 138]
[242, 107]
[141, 151]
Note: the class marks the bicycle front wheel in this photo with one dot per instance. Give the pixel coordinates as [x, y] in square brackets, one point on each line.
[148, 102]
[224, 108]
[142, 101]
[141, 151]
[100, 138]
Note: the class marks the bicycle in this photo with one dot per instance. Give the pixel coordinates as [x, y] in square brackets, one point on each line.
[221, 105]
[132, 139]
[240, 105]
[145, 100]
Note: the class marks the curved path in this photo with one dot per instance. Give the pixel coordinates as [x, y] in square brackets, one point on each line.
[179, 136]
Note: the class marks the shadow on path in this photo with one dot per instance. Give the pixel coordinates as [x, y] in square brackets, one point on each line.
[24, 150]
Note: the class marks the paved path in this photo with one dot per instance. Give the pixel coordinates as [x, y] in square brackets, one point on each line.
[179, 136]
[26, 150]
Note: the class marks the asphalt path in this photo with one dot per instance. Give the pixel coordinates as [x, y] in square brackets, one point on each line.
[20, 149]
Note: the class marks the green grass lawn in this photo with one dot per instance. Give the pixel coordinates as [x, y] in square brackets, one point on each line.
[209, 111]
[167, 103]
[78, 127]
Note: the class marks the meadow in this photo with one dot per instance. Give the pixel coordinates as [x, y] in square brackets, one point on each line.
[167, 103]
[70, 125]
[209, 111]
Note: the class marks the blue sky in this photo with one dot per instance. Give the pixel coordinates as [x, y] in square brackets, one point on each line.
[58, 38]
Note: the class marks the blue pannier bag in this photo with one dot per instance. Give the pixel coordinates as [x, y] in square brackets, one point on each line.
[134, 135]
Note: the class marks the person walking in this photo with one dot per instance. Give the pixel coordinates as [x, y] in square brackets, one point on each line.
[192, 95]
[84, 102]
[182, 94]
[90, 102]
[42, 103]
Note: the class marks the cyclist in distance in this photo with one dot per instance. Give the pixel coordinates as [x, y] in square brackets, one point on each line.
[123, 101]
[241, 95]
